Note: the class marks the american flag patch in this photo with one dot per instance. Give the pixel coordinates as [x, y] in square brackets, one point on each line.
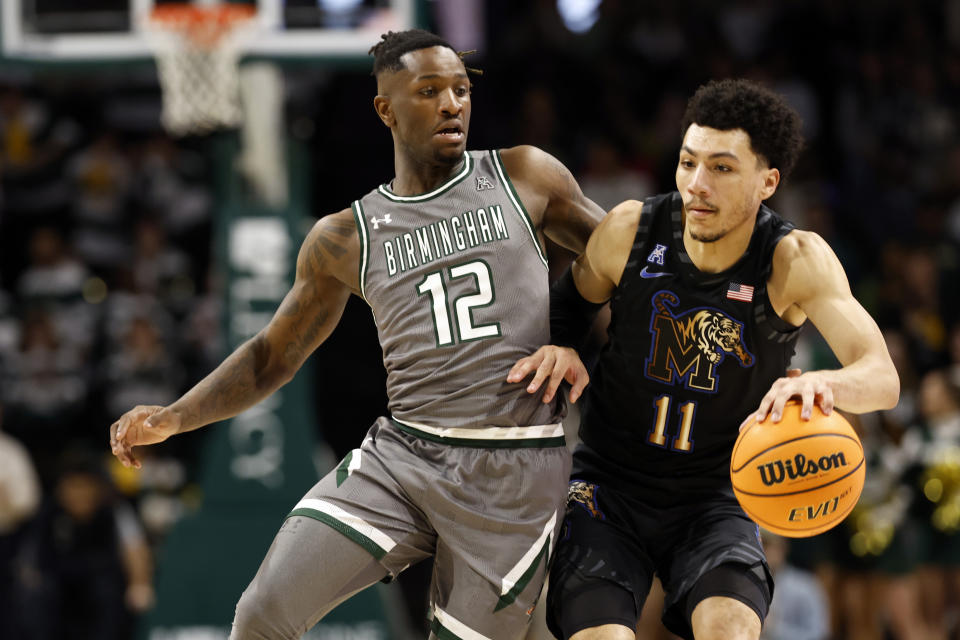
[741, 292]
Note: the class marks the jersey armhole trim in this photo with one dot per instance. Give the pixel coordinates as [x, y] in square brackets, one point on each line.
[766, 316]
[765, 313]
[518, 204]
[364, 246]
[640, 239]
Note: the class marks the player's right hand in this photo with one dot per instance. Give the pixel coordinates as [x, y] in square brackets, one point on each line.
[141, 425]
[553, 365]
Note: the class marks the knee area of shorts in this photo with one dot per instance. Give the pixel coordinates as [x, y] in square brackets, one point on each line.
[582, 608]
[249, 609]
[256, 614]
[748, 585]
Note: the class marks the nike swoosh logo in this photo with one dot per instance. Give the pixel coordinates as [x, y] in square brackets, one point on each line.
[653, 274]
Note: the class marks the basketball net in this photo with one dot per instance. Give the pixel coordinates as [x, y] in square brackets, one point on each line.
[197, 49]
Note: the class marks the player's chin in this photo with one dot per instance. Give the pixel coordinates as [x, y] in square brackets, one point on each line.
[450, 153]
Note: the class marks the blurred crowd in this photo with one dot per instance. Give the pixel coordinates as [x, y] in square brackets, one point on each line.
[108, 296]
[104, 303]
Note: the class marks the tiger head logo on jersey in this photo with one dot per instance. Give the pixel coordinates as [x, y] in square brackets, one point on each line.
[689, 346]
[584, 494]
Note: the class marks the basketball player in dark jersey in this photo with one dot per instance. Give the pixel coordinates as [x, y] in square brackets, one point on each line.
[708, 289]
[468, 468]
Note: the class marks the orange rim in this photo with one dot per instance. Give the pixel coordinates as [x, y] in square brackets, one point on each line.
[205, 25]
[184, 13]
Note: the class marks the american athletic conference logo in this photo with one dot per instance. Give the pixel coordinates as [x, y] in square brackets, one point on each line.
[689, 346]
[778, 471]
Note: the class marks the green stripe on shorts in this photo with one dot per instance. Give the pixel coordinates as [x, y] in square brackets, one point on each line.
[375, 550]
[510, 596]
[441, 631]
[343, 470]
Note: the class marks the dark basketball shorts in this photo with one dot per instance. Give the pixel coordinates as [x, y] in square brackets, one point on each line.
[612, 544]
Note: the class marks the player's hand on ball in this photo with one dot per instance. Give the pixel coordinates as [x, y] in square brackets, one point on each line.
[811, 388]
[553, 364]
[139, 426]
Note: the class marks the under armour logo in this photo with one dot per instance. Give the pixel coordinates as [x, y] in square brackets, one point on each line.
[385, 220]
[656, 256]
[484, 183]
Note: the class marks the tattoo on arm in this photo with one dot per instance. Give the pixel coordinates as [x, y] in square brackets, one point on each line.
[314, 259]
[342, 228]
[258, 366]
[299, 348]
[232, 387]
[570, 216]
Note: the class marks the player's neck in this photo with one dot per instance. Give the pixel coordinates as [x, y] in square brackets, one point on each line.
[414, 178]
[719, 255]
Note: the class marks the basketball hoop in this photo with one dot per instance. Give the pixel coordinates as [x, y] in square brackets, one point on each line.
[197, 50]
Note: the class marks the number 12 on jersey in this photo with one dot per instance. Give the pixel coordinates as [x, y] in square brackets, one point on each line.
[434, 285]
[682, 441]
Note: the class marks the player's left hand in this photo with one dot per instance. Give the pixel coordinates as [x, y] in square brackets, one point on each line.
[811, 387]
[554, 364]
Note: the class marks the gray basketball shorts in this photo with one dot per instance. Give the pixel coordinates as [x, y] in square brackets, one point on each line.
[490, 515]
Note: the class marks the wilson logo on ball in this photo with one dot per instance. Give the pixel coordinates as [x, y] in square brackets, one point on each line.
[775, 472]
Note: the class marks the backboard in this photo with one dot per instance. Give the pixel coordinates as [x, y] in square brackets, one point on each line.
[93, 30]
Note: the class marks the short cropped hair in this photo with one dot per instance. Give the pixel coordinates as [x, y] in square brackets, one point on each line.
[773, 125]
[394, 44]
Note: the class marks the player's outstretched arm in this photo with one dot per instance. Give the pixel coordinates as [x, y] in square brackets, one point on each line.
[326, 275]
[808, 280]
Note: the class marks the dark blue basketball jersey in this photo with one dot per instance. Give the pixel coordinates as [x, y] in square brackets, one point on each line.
[690, 355]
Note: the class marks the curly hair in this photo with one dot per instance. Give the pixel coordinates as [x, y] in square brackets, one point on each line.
[774, 126]
[394, 44]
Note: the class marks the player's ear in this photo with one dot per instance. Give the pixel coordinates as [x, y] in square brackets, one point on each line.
[771, 180]
[383, 108]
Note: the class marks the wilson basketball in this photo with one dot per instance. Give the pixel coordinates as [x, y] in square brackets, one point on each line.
[798, 478]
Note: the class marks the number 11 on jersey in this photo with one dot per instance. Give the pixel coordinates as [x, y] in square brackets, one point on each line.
[682, 442]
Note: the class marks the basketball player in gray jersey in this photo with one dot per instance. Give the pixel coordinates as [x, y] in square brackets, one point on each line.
[469, 468]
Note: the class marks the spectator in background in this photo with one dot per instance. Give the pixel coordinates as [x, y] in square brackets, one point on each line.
[46, 387]
[171, 180]
[160, 269]
[54, 280]
[52, 276]
[143, 370]
[882, 542]
[102, 180]
[19, 500]
[32, 142]
[937, 487]
[799, 608]
[910, 295]
[85, 566]
[26, 126]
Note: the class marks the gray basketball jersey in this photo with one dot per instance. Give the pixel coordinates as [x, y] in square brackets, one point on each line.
[457, 281]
